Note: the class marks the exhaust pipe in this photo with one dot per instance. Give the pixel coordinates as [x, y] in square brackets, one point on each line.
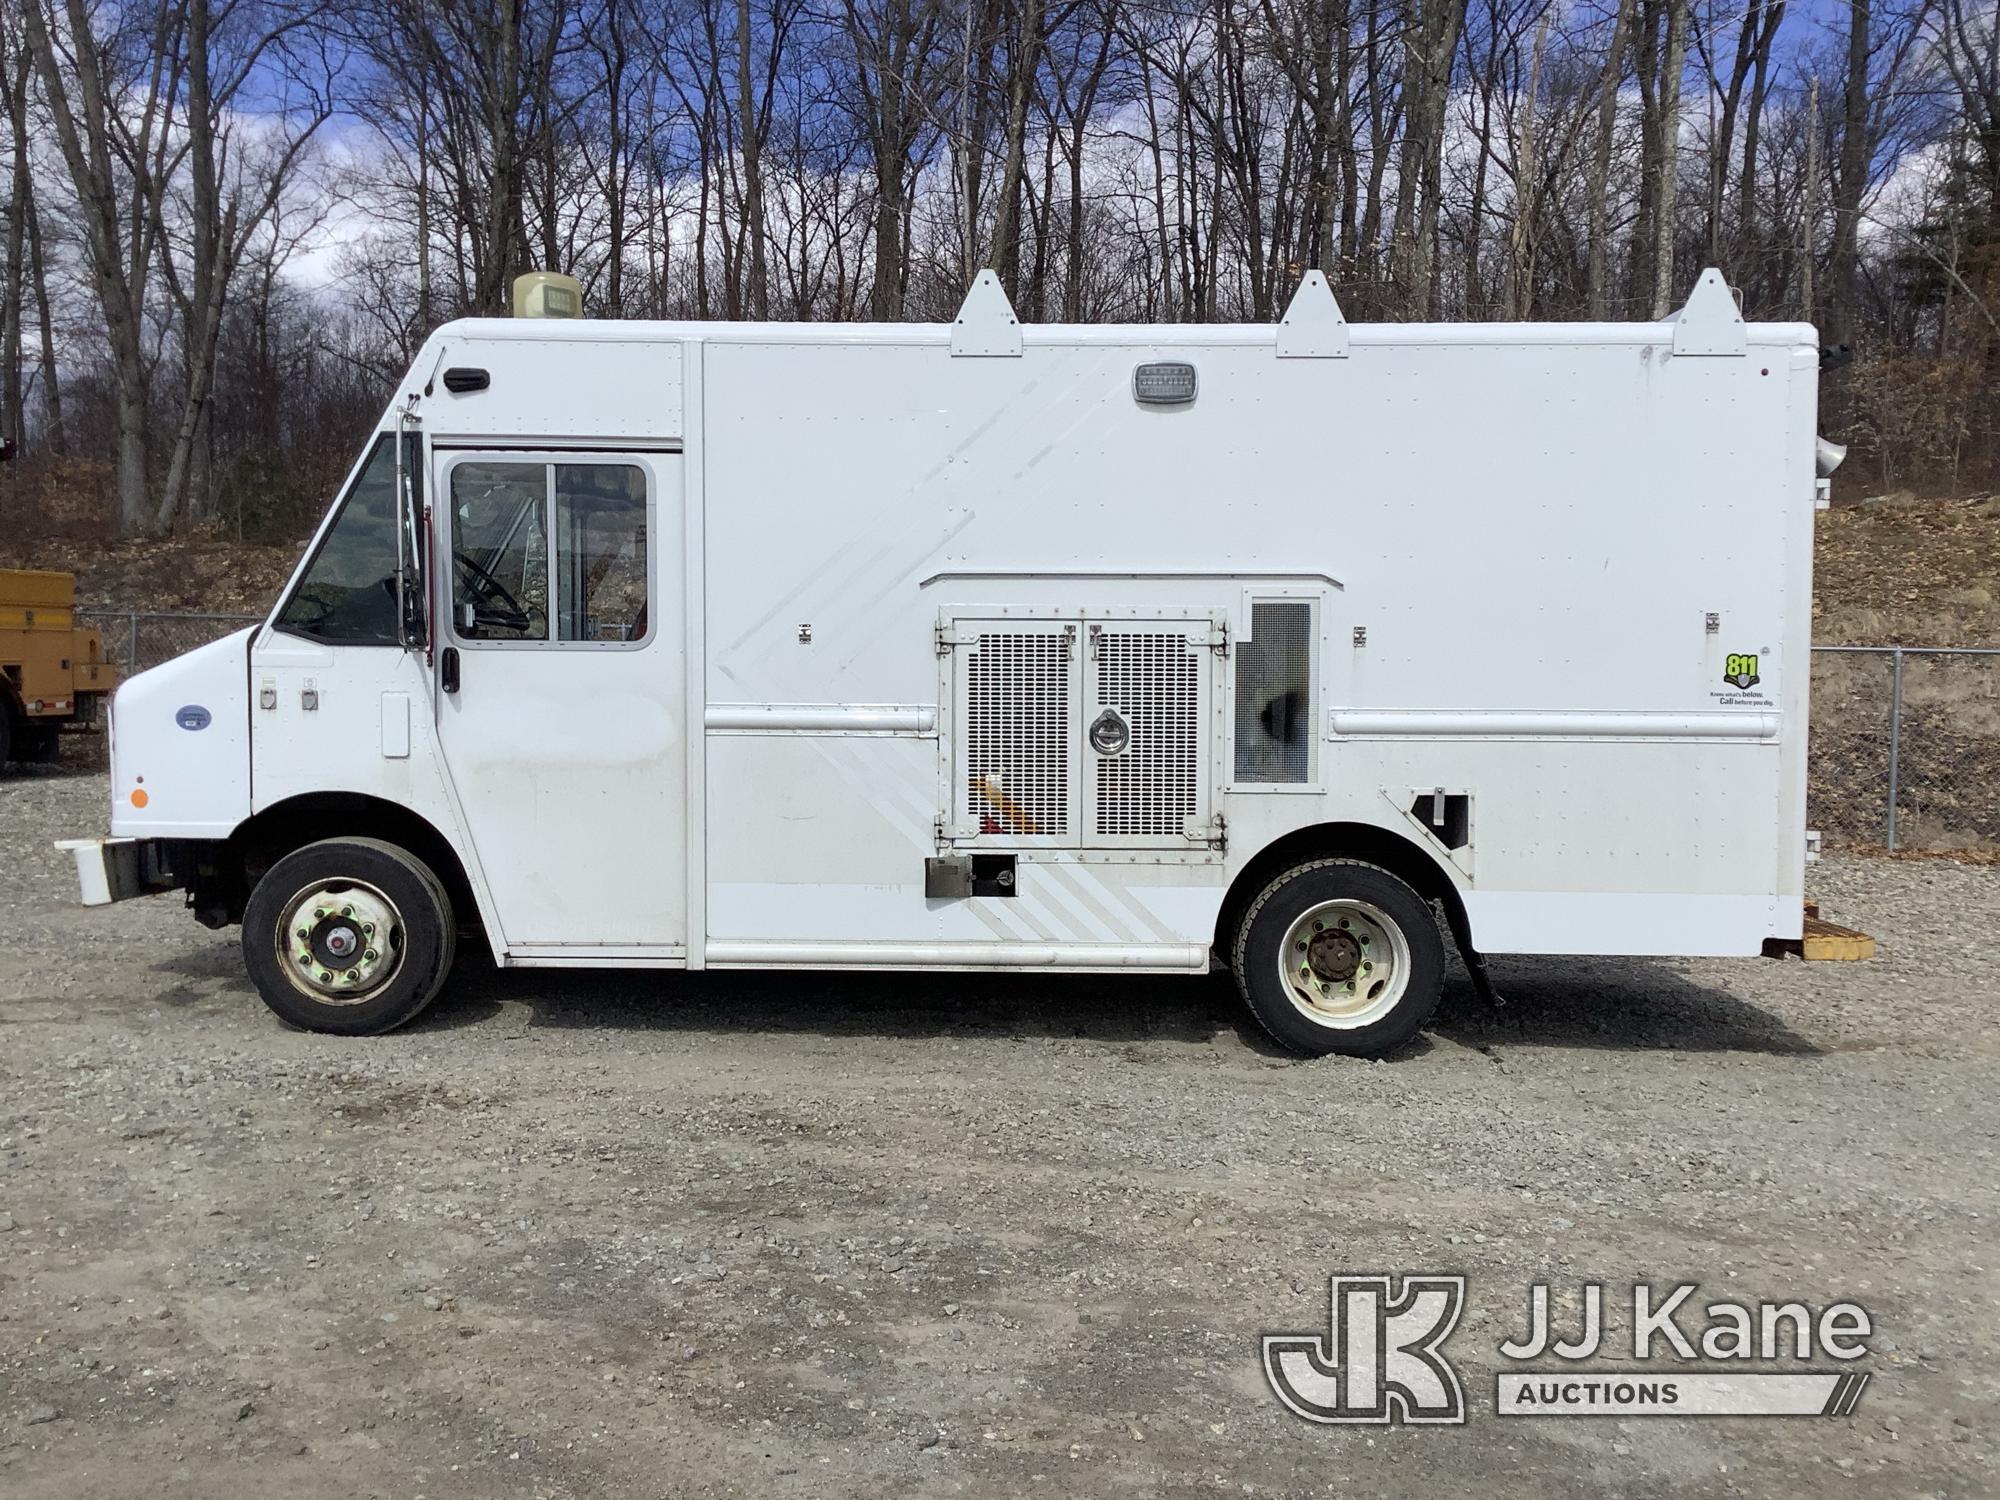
[1827, 457]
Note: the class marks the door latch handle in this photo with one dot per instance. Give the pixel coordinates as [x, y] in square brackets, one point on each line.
[448, 669]
[1110, 734]
[309, 696]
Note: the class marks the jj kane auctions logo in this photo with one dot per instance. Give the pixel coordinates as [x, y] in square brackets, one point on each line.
[1382, 1358]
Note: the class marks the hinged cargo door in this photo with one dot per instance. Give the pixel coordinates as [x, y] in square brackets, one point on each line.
[1151, 733]
[1015, 769]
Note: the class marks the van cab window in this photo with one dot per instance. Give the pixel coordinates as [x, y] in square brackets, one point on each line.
[601, 551]
[348, 593]
[526, 534]
[499, 551]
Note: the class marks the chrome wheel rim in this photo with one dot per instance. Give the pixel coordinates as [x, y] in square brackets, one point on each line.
[340, 941]
[1344, 964]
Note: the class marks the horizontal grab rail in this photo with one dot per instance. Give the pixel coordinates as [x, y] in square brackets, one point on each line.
[824, 718]
[1727, 725]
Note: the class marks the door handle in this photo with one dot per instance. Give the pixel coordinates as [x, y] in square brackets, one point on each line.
[1110, 733]
[448, 669]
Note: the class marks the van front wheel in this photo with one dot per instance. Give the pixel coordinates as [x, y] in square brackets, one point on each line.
[1339, 956]
[351, 936]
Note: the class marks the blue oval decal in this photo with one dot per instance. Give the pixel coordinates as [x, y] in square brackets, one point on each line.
[194, 716]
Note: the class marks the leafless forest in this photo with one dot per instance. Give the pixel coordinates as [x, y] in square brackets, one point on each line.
[228, 222]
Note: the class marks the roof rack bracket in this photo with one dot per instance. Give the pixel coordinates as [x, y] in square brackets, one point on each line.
[986, 326]
[1313, 326]
[1711, 323]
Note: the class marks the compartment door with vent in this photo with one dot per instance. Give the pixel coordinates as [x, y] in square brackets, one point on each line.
[1015, 768]
[1151, 733]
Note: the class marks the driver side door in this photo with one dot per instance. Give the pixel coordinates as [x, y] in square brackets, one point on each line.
[561, 711]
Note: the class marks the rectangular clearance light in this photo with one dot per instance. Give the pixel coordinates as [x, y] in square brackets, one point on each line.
[1163, 383]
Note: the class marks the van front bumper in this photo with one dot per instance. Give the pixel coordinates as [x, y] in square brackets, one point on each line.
[109, 870]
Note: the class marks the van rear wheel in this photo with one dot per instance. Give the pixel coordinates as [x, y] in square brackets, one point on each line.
[350, 936]
[1337, 956]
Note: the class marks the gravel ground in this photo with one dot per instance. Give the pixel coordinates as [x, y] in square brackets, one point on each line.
[802, 1235]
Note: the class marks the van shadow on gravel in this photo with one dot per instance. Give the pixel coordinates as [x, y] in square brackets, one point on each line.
[1613, 1004]
[1628, 1005]
[1115, 1008]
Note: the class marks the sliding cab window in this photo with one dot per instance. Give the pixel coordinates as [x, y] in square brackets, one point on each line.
[348, 593]
[549, 553]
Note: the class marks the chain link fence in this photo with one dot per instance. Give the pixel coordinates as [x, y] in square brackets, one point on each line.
[1905, 739]
[136, 639]
[1906, 746]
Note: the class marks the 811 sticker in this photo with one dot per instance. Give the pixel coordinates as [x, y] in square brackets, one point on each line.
[1746, 680]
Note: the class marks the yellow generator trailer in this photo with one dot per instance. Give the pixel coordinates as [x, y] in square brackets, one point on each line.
[52, 674]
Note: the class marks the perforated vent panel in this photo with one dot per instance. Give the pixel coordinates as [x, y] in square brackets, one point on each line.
[1153, 679]
[1017, 734]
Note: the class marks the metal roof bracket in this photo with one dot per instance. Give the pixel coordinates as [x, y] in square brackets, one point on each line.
[1711, 323]
[986, 325]
[1313, 326]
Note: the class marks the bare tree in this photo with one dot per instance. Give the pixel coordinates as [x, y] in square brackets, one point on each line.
[1598, 182]
[14, 64]
[1182, 159]
[1430, 39]
[1666, 156]
[894, 88]
[114, 205]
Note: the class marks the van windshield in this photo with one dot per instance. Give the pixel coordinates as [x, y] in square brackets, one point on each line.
[348, 592]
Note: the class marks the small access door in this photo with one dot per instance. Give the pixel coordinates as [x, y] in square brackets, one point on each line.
[1090, 731]
[561, 709]
[1151, 731]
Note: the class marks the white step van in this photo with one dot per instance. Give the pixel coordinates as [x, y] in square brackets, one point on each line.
[1303, 648]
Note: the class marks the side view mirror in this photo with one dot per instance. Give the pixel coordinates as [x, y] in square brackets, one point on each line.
[468, 618]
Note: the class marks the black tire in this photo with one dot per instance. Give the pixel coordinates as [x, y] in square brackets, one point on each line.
[415, 960]
[6, 730]
[1378, 903]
